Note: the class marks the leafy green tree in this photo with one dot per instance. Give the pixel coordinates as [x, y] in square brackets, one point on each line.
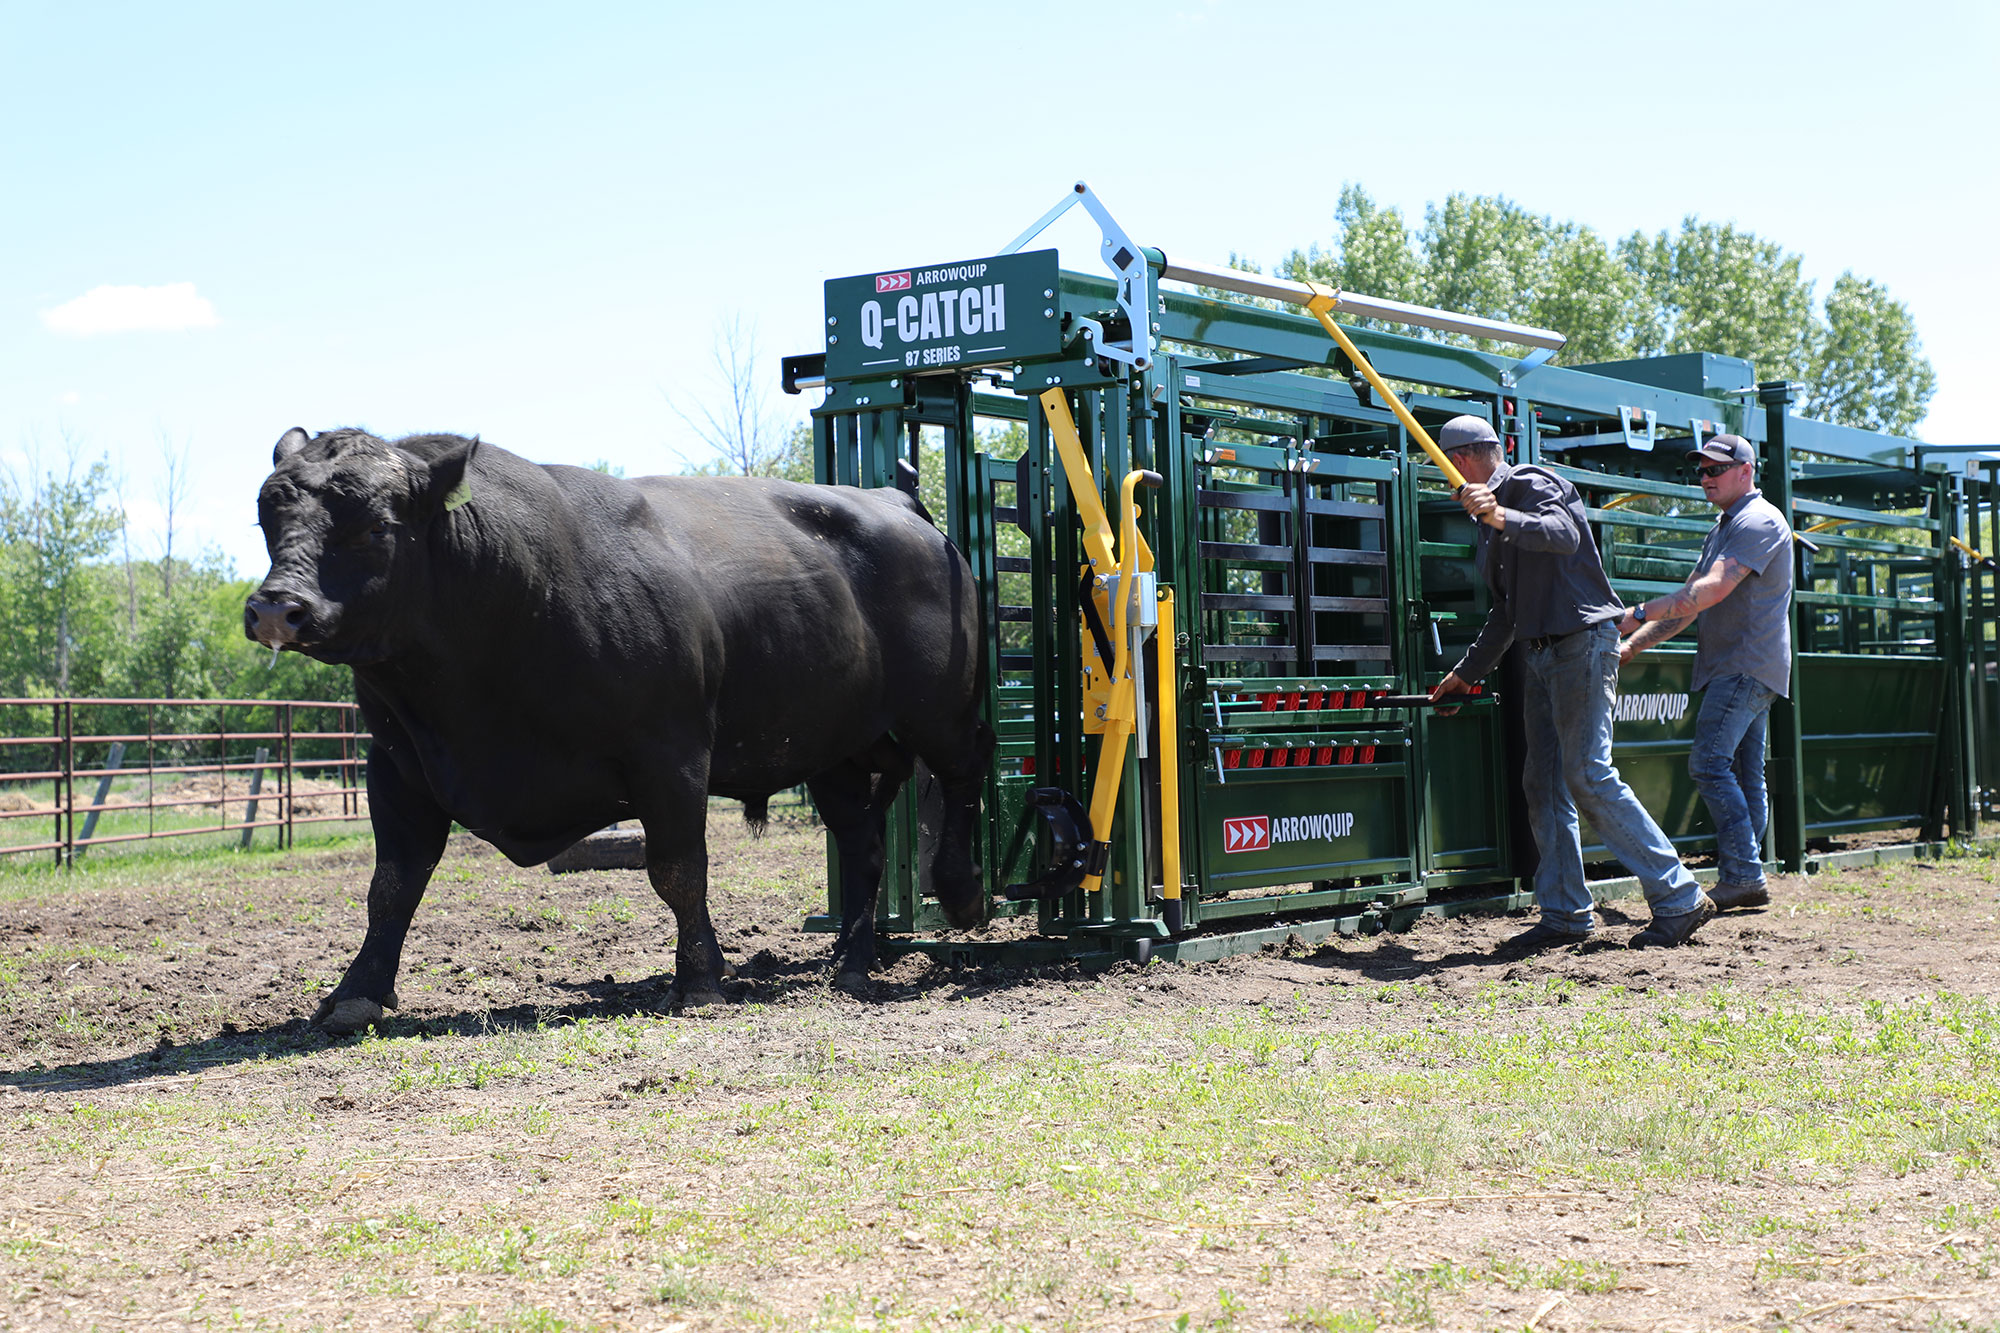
[1483, 255]
[54, 526]
[1867, 368]
[1372, 254]
[1712, 288]
[1708, 287]
[73, 622]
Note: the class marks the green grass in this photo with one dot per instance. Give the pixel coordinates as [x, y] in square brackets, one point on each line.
[164, 859]
[1170, 1116]
[1055, 1164]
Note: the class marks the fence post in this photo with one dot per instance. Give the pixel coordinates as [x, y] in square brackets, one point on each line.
[285, 834]
[66, 809]
[112, 761]
[55, 764]
[256, 785]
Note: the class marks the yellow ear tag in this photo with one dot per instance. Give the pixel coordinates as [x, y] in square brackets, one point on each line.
[460, 496]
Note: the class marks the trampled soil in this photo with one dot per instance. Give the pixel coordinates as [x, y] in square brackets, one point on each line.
[118, 994]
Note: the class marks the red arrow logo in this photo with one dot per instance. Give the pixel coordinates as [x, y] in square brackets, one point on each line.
[1249, 834]
[893, 282]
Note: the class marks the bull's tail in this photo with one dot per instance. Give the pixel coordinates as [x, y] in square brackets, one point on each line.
[757, 814]
[906, 482]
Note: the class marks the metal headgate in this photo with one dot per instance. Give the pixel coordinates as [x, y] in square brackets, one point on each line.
[1218, 570]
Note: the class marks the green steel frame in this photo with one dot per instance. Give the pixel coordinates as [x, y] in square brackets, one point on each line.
[1318, 563]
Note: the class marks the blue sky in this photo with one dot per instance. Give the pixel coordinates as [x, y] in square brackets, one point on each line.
[530, 222]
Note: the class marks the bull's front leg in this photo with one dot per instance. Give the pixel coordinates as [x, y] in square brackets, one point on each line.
[677, 865]
[410, 834]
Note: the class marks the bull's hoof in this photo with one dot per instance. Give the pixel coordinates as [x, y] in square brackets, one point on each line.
[963, 903]
[678, 999]
[344, 1017]
[348, 1016]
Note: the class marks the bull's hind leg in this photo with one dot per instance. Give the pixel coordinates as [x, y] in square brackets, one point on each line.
[854, 801]
[410, 833]
[677, 864]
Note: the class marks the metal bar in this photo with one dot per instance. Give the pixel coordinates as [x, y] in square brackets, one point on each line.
[1168, 677]
[67, 806]
[1910, 606]
[1586, 480]
[43, 701]
[222, 765]
[1320, 306]
[150, 757]
[1366, 307]
[1869, 516]
[1097, 537]
[285, 838]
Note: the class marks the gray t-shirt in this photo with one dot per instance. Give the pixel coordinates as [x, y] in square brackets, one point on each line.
[1749, 632]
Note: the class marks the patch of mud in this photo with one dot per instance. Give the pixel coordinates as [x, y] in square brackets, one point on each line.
[133, 994]
[107, 968]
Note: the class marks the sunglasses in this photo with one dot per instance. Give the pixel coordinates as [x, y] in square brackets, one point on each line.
[1716, 469]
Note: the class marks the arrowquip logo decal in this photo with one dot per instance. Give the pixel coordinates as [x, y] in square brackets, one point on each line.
[1246, 835]
[893, 282]
[1257, 833]
[1649, 708]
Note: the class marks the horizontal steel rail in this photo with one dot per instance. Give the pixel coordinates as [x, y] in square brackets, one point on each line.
[1288, 292]
[51, 748]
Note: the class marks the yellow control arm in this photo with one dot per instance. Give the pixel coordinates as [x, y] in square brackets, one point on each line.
[1324, 301]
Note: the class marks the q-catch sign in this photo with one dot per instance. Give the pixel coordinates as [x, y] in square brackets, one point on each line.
[943, 316]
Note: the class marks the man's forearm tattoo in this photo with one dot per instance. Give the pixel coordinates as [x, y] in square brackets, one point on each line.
[1668, 615]
[1657, 631]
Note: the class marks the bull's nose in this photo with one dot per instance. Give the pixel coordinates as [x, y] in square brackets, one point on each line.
[274, 619]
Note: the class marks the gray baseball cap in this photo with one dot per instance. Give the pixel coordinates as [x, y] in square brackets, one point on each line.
[1725, 449]
[1464, 432]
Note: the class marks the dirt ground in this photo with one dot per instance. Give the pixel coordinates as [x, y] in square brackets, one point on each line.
[187, 992]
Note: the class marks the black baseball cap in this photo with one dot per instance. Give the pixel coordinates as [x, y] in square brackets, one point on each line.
[1725, 449]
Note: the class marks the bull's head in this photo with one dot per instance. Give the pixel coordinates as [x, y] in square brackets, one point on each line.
[344, 518]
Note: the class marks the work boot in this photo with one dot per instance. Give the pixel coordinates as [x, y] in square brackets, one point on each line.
[1538, 937]
[1668, 931]
[1728, 896]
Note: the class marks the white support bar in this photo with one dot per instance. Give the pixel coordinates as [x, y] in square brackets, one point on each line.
[1366, 307]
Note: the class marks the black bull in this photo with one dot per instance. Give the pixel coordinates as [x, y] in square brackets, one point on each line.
[542, 650]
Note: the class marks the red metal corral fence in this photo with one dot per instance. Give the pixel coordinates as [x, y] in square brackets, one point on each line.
[82, 773]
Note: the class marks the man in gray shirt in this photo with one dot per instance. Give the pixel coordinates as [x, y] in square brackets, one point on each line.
[1742, 590]
[1551, 600]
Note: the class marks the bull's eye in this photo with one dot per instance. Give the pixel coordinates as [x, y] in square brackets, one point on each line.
[373, 535]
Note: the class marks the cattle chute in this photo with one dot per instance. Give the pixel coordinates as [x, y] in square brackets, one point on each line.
[1217, 714]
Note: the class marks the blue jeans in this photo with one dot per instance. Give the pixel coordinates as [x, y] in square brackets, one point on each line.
[1569, 688]
[1727, 765]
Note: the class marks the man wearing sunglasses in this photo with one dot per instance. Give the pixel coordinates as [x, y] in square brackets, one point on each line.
[1742, 590]
[1551, 600]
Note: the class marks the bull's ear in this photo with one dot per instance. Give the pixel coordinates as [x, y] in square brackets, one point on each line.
[289, 443]
[449, 483]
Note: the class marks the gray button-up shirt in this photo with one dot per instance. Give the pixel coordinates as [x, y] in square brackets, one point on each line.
[1749, 632]
[1542, 568]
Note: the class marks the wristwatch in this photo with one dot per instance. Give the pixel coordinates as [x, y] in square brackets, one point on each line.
[1639, 613]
